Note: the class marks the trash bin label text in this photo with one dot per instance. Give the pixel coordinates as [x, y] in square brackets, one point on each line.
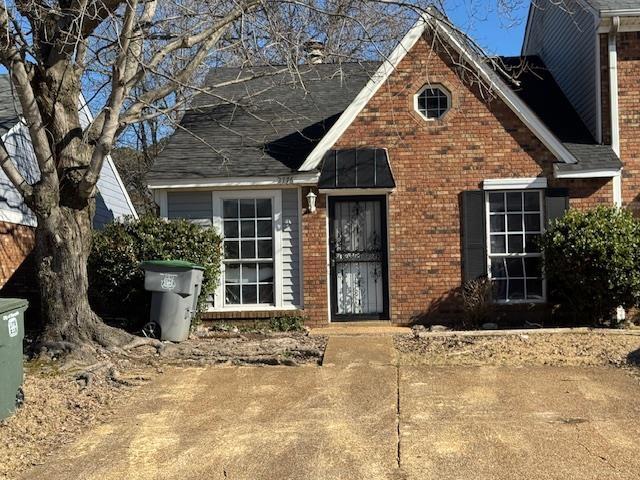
[12, 323]
[168, 281]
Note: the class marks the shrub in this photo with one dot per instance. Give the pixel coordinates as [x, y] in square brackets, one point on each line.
[287, 323]
[592, 263]
[477, 302]
[116, 280]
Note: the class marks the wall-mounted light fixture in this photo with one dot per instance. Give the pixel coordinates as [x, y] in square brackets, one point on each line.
[311, 202]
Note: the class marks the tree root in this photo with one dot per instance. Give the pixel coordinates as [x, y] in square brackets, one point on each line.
[142, 341]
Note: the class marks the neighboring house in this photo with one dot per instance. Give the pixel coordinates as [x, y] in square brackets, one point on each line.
[17, 222]
[377, 195]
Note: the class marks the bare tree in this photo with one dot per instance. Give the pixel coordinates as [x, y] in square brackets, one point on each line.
[135, 61]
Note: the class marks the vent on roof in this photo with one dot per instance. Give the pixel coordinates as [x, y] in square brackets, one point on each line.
[356, 168]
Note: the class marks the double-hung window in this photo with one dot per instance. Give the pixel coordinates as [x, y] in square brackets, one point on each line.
[248, 251]
[514, 227]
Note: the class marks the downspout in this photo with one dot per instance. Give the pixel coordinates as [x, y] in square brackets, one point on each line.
[615, 121]
[613, 100]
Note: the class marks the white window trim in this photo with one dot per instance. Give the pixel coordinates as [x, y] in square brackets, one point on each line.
[217, 221]
[488, 243]
[432, 86]
[523, 183]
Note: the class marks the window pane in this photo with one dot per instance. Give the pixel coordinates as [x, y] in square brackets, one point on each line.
[515, 243]
[264, 249]
[532, 243]
[232, 273]
[532, 201]
[231, 229]
[496, 223]
[232, 294]
[514, 267]
[498, 244]
[499, 289]
[230, 208]
[422, 102]
[496, 202]
[231, 249]
[264, 228]
[533, 266]
[516, 289]
[266, 272]
[534, 289]
[264, 207]
[248, 249]
[249, 273]
[532, 222]
[249, 294]
[248, 228]
[498, 269]
[247, 208]
[266, 293]
[514, 201]
[514, 222]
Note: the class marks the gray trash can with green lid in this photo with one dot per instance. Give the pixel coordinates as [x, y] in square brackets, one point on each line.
[175, 287]
[11, 363]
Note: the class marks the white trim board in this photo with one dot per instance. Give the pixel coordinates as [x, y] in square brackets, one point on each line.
[494, 82]
[18, 218]
[514, 183]
[591, 173]
[281, 181]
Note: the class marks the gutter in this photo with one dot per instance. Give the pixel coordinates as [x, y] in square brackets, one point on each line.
[613, 101]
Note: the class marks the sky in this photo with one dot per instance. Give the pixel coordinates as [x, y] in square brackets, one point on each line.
[498, 30]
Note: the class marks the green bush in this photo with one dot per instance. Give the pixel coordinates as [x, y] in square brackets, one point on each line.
[116, 281]
[592, 263]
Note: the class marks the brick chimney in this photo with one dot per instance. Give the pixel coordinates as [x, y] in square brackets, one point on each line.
[314, 51]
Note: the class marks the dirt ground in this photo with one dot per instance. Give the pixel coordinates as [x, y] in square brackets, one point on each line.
[579, 349]
[57, 407]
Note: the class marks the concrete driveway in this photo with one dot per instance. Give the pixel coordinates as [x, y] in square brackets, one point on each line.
[363, 417]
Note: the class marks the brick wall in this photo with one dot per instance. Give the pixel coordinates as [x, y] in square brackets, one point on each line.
[16, 242]
[314, 258]
[433, 162]
[628, 47]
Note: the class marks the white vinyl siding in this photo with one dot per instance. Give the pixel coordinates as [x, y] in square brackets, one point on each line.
[290, 247]
[194, 206]
[564, 37]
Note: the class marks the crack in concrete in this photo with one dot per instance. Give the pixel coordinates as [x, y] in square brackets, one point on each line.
[398, 415]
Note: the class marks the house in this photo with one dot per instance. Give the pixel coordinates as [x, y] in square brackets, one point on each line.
[374, 191]
[17, 222]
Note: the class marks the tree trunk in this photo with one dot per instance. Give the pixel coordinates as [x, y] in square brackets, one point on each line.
[63, 244]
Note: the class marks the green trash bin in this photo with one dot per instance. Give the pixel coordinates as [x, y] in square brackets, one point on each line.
[11, 367]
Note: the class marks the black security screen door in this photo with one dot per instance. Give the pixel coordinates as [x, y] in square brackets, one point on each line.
[358, 258]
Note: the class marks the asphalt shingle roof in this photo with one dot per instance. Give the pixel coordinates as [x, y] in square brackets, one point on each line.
[538, 89]
[605, 5]
[263, 126]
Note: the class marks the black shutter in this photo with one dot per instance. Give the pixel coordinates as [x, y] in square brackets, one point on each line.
[556, 203]
[474, 248]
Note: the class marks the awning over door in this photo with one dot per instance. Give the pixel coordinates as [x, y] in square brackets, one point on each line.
[356, 168]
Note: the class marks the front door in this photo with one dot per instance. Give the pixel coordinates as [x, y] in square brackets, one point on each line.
[358, 258]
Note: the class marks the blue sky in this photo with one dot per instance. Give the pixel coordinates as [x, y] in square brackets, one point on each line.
[498, 32]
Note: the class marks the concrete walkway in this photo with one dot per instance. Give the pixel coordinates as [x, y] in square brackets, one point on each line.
[360, 416]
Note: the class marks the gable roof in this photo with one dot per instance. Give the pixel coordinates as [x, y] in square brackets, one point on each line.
[433, 20]
[263, 121]
[112, 201]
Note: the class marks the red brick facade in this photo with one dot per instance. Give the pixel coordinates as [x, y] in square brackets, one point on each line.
[628, 50]
[16, 242]
[432, 163]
